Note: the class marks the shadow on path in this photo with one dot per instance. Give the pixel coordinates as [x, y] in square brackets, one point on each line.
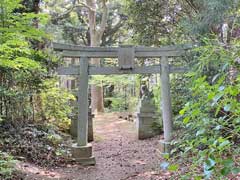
[119, 155]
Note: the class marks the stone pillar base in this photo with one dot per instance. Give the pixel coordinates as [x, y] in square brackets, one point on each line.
[165, 147]
[83, 154]
[144, 124]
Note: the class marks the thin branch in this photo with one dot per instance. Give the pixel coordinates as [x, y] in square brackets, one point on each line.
[68, 11]
[192, 5]
[115, 28]
[103, 23]
[92, 21]
[83, 4]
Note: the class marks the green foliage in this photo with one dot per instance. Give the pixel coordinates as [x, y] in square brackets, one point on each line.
[207, 15]
[180, 92]
[23, 66]
[159, 22]
[157, 96]
[70, 25]
[146, 20]
[55, 139]
[158, 124]
[56, 104]
[6, 166]
[211, 117]
[117, 104]
[123, 80]
[122, 97]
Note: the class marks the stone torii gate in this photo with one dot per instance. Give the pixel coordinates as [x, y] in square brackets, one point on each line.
[82, 151]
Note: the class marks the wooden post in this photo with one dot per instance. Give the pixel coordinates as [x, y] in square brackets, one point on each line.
[82, 133]
[166, 100]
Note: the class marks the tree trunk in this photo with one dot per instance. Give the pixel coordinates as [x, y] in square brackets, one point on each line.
[95, 38]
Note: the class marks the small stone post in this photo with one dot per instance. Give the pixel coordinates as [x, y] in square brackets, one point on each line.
[74, 128]
[90, 125]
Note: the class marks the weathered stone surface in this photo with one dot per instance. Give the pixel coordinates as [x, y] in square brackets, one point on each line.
[164, 147]
[83, 154]
[146, 109]
[147, 102]
[86, 161]
[146, 116]
[73, 127]
[90, 127]
[81, 151]
[146, 133]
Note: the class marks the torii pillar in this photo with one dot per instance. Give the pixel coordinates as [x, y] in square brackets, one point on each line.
[165, 145]
[82, 151]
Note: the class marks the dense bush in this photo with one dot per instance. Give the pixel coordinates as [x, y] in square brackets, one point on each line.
[28, 90]
[7, 164]
[23, 66]
[56, 104]
[211, 119]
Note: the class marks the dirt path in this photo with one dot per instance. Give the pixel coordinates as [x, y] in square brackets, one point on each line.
[119, 156]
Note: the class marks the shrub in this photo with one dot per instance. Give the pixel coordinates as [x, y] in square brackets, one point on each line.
[211, 119]
[6, 166]
[56, 104]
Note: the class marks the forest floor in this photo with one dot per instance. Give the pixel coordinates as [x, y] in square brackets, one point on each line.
[119, 156]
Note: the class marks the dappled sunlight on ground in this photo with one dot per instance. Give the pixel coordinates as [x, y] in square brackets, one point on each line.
[119, 155]
[32, 170]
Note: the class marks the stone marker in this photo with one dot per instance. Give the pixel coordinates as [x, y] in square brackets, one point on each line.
[73, 127]
[90, 125]
[146, 115]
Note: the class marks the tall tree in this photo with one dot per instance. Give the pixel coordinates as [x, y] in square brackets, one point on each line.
[23, 68]
[158, 22]
[96, 33]
[90, 23]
